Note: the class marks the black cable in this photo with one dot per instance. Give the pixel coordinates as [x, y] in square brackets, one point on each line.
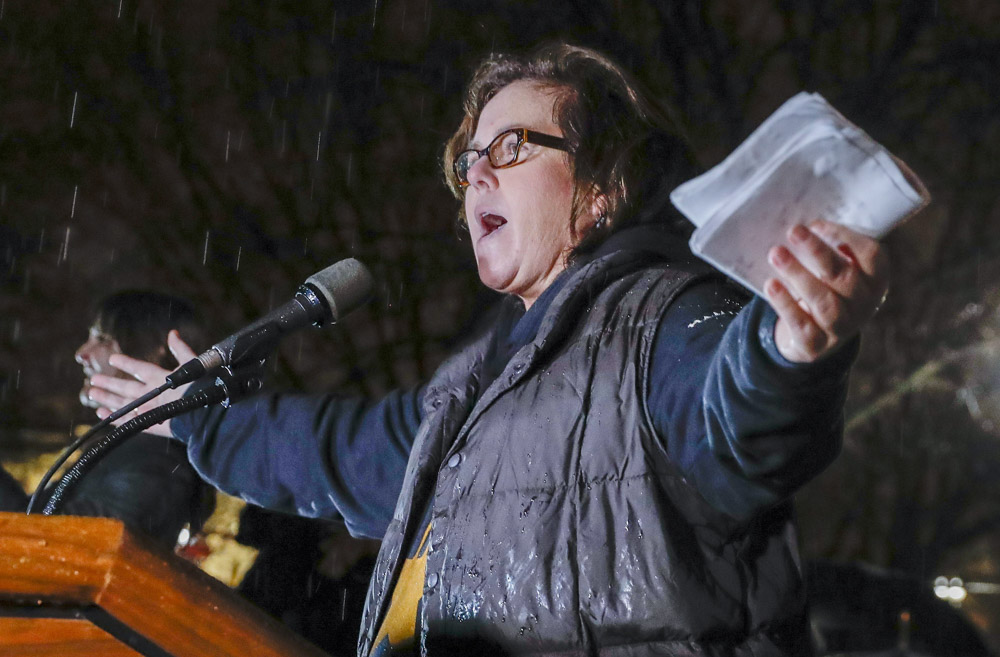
[75, 445]
[149, 418]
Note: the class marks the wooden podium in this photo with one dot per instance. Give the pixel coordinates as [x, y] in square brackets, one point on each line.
[87, 586]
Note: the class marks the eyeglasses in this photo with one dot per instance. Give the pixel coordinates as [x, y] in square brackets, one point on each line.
[503, 151]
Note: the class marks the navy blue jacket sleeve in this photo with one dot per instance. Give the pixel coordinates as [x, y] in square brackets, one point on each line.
[745, 426]
[318, 456]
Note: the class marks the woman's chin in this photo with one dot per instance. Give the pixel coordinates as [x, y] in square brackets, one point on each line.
[494, 277]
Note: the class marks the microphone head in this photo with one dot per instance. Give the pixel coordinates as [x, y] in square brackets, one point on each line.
[344, 286]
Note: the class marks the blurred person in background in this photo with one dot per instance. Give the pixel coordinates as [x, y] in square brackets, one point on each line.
[147, 481]
[310, 575]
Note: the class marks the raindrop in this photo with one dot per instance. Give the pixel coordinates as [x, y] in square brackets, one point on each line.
[374, 13]
[239, 144]
[228, 134]
[319, 140]
[17, 331]
[270, 112]
[1, 9]
[120, 3]
[350, 162]
[17, 380]
[72, 210]
[239, 253]
[156, 130]
[64, 251]
[41, 240]
[72, 115]
[204, 255]
[333, 27]
[329, 106]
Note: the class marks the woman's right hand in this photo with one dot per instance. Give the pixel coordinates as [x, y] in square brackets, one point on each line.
[114, 392]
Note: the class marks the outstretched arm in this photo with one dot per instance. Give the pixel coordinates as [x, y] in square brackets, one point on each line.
[313, 455]
[318, 456]
[749, 403]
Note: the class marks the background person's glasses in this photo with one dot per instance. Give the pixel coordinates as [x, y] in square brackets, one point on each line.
[503, 151]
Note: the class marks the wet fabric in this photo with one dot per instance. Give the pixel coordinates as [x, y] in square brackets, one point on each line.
[571, 513]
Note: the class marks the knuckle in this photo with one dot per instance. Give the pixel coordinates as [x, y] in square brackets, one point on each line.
[800, 323]
[813, 339]
[828, 308]
[847, 277]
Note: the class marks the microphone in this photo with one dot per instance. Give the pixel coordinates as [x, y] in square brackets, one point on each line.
[325, 297]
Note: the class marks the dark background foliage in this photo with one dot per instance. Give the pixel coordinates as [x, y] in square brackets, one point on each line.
[224, 151]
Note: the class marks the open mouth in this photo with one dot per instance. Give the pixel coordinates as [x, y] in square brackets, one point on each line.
[491, 222]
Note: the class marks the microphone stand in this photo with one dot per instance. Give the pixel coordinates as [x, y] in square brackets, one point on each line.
[234, 382]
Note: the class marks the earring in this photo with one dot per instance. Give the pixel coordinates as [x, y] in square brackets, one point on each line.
[601, 221]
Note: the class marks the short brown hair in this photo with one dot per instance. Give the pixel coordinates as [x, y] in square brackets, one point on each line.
[139, 321]
[622, 144]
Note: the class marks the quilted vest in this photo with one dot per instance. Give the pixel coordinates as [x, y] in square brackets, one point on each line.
[558, 524]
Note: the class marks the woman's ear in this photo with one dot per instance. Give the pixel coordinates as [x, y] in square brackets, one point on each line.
[598, 208]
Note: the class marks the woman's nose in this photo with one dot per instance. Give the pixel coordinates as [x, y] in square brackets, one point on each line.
[82, 355]
[482, 175]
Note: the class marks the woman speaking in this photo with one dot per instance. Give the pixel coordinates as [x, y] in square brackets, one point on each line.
[608, 469]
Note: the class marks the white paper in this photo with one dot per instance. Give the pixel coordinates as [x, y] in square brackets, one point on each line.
[805, 162]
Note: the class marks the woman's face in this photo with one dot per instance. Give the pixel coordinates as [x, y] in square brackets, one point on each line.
[93, 356]
[519, 217]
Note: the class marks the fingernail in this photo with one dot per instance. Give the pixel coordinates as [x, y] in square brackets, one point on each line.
[798, 233]
[778, 256]
[772, 287]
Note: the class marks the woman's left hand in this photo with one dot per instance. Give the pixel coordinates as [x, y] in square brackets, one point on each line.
[830, 281]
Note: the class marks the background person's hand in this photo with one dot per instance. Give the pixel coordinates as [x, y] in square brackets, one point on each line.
[830, 281]
[113, 392]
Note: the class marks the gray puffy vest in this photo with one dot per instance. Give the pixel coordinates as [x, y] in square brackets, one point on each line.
[558, 525]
